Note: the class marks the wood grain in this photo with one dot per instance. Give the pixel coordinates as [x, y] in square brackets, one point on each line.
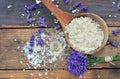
[12, 16]
[10, 56]
[58, 74]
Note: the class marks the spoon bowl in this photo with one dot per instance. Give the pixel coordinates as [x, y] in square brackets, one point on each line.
[65, 18]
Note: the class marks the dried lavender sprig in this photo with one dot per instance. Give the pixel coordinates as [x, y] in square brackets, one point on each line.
[29, 19]
[114, 43]
[76, 4]
[77, 63]
[41, 22]
[31, 41]
[66, 1]
[84, 8]
[116, 32]
[92, 61]
[57, 27]
[30, 8]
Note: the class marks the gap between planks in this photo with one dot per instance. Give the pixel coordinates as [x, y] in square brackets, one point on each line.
[27, 27]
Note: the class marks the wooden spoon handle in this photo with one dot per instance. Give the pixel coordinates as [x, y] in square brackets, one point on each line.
[63, 17]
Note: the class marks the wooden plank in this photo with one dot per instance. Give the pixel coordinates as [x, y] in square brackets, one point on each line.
[10, 56]
[58, 74]
[104, 8]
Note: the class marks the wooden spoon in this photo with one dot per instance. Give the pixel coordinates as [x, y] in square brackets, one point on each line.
[65, 18]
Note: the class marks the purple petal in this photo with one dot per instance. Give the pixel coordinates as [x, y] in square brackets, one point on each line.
[57, 27]
[41, 21]
[118, 6]
[84, 8]
[29, 19]
[116, 32]
[40, 30]
[114, 43]
[40, 41]
[66, 1]
[31, 41]
[76, 4]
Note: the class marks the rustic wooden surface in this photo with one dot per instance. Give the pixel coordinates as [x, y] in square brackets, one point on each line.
[11, 28]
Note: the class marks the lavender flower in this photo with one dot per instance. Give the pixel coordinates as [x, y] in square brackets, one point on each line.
[29, 19]
[40, 41]
[40, 30]
[31, 41]
[118, 6]
[113, 43]
[76, 4]
[41, 21]
[57, 27]
[30, 8]
[116, 32]
[66, 1]
[84, 8]
[77, 63]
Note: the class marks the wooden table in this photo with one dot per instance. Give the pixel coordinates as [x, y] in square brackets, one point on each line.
[13, 27]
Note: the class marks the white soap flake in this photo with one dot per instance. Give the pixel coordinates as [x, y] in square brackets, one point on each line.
[21, 62]
[38, 1]
[15, 40]
[22, 14]
[9, 6]
[109, 15]
[98, 76]
[18, 47]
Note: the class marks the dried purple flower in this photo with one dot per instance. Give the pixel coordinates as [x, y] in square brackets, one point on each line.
[77, 63]
[76, 4]
[29, 19]
[116, 32]
[84, 8]
[40, 41]
[113, 43]
[66, 1]
[57, 27]
[30, 8]
[31, 41]
[40, 30]
[118, 6]
[41, 21]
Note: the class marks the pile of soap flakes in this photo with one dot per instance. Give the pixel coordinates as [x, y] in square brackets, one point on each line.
[45, 47]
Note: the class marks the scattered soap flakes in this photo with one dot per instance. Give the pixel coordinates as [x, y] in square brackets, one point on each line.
[9, 6]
